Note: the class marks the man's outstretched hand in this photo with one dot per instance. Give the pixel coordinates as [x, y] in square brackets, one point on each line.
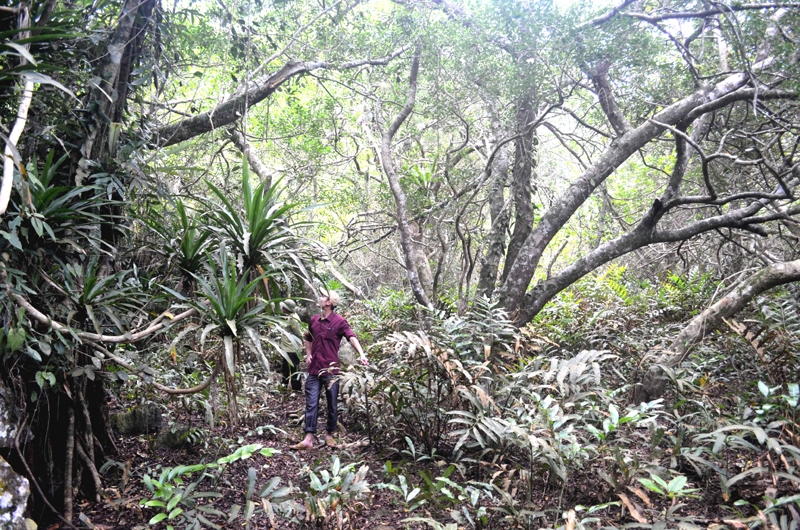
[364, 360]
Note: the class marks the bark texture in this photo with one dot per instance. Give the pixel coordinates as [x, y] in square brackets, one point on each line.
[521, 181]
[406, 242]
[499, 215]
[602, 88]
[104, 97]
[654, 382]
[421, 262]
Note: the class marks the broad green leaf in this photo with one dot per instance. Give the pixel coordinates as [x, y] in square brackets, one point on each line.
[157, 518]
[676, 484]
[649, 484]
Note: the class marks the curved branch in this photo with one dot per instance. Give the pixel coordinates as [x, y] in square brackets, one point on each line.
[169, 390]
[397, 190]
[602, 19]
[654, 382]
[154, 327]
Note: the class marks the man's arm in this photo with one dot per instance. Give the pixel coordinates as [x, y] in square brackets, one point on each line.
[360, 350]
[308, 351]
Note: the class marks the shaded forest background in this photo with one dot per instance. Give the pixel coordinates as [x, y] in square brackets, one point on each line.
[567, 234]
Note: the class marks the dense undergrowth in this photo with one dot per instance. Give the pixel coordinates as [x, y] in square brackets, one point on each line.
[479, 425]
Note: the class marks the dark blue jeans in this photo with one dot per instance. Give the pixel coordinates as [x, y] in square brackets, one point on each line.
[314, 384]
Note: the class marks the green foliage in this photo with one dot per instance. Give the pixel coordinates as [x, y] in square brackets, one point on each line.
[228, 294]
[47, 216]
[178, 503]
[409, 494]
[674, 489]
[185, 243]
[262, 235]
[334, 493]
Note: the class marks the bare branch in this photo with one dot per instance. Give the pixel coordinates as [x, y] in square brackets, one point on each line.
[232, 109]
[605, 17]
[154, 327]
[169, 390]
[711, 12]
[259, 168]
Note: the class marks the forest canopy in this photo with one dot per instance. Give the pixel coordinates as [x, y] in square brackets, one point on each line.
[510, 195]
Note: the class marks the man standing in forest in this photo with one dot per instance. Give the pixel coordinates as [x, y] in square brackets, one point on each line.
[322, 342]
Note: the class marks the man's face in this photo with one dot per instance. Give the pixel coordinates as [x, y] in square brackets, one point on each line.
[323, 302]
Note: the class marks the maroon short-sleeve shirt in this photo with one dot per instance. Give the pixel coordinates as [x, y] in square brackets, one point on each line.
[325, 336]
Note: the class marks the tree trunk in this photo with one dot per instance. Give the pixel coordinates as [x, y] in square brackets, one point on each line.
[654, 381]
[420, 258]
[104, 97]
[499, 215]
[397, 191]
[522, 174]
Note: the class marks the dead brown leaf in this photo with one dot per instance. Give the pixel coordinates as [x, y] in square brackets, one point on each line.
[633, 508]
[639, 492]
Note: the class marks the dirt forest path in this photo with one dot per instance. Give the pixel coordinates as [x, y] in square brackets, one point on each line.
[278, 427]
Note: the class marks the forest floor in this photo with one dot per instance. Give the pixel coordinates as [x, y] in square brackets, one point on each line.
[280, 420]
[276, 422]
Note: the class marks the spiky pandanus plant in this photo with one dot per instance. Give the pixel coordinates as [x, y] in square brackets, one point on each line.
[183, 243]
[263, 235]
[227, 297]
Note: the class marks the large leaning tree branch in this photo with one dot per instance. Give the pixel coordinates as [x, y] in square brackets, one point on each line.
[647, 233]
[394, 183]
[654, 382]
[564, 207]
[92, 339]
[232, 109]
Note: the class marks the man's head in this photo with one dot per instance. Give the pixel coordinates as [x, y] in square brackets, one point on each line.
[330, 298]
